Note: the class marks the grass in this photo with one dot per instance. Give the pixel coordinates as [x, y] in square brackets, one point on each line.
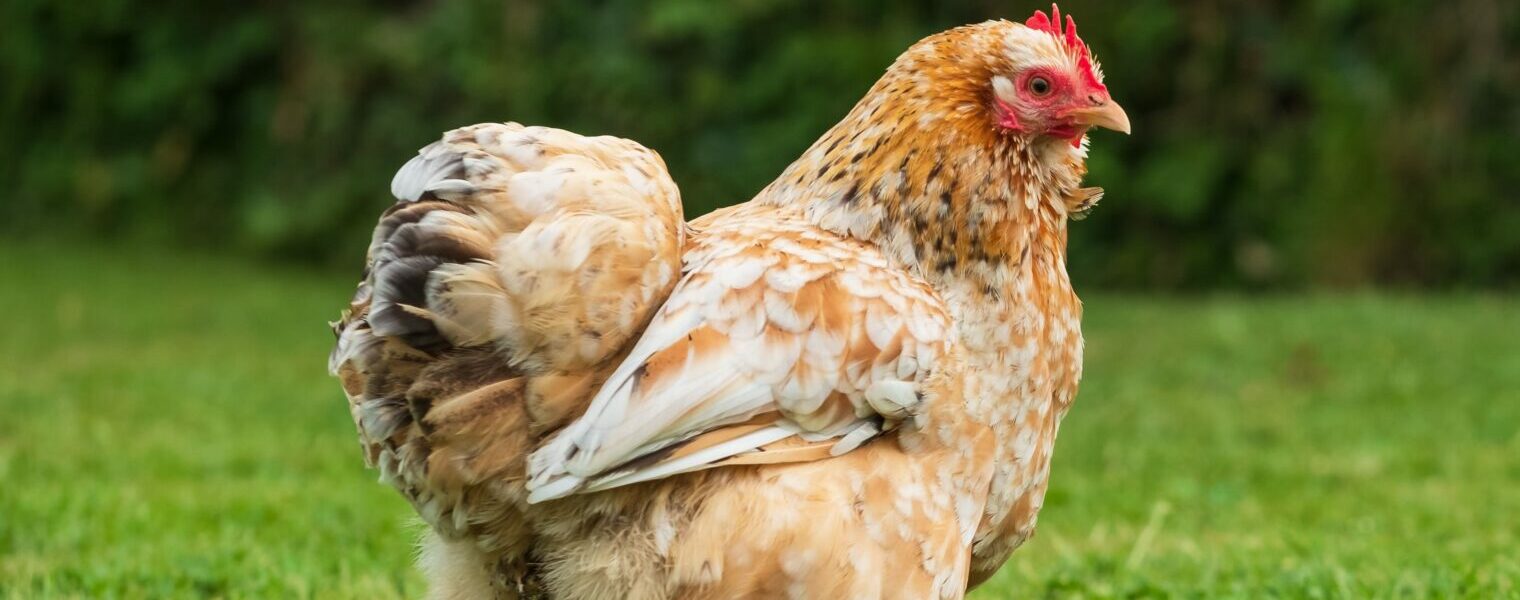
[167, 430]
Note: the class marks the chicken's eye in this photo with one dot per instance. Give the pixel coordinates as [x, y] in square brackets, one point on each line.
[1040, 86]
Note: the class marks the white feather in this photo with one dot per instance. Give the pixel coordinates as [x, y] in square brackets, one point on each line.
[696, 460]
[857, 436]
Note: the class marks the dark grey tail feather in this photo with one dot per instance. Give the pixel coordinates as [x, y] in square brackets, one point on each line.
[404, 252]
[402, 214]
[384, 416]
[402, 280]
[412, 239]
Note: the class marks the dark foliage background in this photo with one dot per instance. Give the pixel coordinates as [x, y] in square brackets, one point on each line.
[1277, 144]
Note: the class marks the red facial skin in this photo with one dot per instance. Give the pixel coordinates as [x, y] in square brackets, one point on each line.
[1049, 114]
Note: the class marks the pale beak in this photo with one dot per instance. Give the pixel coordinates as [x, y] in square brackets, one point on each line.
[1104, 113]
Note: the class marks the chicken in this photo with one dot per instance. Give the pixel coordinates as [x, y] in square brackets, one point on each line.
[849, 386]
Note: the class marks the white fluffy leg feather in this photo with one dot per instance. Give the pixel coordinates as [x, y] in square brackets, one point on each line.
[455, 570]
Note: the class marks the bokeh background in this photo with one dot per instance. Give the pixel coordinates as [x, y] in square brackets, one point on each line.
[1303, 369]
[1278, 144]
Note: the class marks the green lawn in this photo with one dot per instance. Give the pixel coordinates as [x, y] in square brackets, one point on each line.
[167, 429]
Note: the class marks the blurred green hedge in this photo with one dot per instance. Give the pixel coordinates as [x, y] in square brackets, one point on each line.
[1277, 144]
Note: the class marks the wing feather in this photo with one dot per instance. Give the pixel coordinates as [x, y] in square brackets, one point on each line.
[778, 321]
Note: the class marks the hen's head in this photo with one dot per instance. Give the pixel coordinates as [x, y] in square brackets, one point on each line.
[967, 134]
[1045, 82]
[992, 86]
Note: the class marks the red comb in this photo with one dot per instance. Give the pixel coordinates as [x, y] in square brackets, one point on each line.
[1051, 24]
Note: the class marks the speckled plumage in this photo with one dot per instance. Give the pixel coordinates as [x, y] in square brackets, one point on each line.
[852, 389]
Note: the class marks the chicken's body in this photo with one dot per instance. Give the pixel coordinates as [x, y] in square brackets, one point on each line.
[852, 392]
